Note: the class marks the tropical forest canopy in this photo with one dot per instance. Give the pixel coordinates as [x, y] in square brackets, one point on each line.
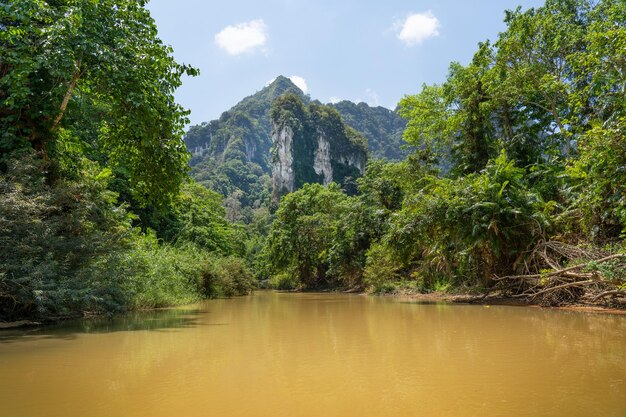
[518, 170]
[513, 179]
[96, 204]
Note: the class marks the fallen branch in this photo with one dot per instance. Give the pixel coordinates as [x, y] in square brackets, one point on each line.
[562, 271]
[558, 284]
[558, 287]
[608, 293]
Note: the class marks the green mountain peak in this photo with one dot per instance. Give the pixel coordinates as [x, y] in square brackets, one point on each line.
[233, 154]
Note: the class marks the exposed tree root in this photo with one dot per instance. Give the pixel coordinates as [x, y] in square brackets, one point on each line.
[547, 276]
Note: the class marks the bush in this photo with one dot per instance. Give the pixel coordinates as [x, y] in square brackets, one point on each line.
[284, 281]
[74, 251]
[380, 269]
[464, 229]
[227, 277]
[55, 234]
[150, 275]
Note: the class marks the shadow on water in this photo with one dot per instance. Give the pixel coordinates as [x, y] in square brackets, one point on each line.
[157, 320]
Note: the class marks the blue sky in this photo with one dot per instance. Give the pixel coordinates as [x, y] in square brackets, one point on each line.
[372, 51]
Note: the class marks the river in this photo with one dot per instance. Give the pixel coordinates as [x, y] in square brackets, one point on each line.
[323, 355]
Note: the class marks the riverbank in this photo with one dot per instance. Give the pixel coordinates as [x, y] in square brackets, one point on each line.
[466, 298]
[18, 324]
[401, 294]
[470, 297]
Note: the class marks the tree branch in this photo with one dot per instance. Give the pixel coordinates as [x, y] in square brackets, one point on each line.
[563, 271]
[68, 95]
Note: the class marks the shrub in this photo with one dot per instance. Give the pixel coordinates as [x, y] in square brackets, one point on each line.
[284, 281]
[227, 277]
[468, 228]
[74, 251]
[55, 233]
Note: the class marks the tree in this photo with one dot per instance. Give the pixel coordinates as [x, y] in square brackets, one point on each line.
[302, 233]
[601, 76]
[534, 61]
[62, 59]
[454, 119]
[200, 217]
[467, 92]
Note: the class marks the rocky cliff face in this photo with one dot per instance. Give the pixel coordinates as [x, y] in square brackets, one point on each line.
[244, 157]
[312, 144]
[243, 132]
[283, 178]
[321, 163]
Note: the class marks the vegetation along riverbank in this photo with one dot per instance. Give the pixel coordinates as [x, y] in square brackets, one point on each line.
[511, 182]
[516, 186]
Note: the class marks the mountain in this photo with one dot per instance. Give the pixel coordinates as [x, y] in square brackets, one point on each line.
[243, 132]
[382, 127]
[233, 154]
[312, 144]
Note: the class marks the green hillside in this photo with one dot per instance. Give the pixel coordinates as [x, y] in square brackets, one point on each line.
[382, 127]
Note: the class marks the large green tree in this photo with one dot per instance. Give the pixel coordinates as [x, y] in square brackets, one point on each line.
[300, 237]
[62, 61]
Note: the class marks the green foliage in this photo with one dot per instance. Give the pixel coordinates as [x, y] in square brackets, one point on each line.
[75, 250]
[301, 234]
[469, 228]
[56, 234]
[446, 231]
[452, 121]
[149, 275]
[381, 269]
[198, 216]
[429, 118]
[320, 238]
[91, 147]
[98, 58]
[310, 125]
[284, 281]
[601, 176]
[381, 127]
[227, 277]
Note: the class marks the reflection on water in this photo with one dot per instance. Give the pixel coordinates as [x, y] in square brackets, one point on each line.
[148, 320]
[275, 354]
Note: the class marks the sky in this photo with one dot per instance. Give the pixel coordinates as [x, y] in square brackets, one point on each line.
[374, 51]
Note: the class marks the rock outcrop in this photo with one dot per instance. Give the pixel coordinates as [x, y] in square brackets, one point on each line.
[244, 156]
[321, 163]
[282, 161]
[311, 144]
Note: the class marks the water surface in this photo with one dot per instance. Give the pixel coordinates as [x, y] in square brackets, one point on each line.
[322, 355]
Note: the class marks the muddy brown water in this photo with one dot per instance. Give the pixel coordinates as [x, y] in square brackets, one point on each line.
[275, 354]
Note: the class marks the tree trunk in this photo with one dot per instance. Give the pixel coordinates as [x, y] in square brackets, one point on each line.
[66, 99]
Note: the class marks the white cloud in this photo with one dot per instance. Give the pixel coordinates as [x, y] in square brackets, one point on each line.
[334, 100]
[243, 37]
[300, 83]
[417, 27]
[373, 97]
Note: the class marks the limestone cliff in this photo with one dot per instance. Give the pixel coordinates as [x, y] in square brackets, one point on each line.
[312, 144]
[282, 159]
[235, 154]
[321, 163]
